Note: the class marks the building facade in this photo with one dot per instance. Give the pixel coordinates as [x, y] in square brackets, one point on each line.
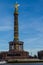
[40, 54]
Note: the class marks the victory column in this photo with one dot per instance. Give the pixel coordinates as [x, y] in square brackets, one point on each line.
[16, 45]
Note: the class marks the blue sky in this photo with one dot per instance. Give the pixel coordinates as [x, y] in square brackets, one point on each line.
[30, 24]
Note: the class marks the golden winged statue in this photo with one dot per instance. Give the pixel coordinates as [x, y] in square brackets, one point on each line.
[16, 6]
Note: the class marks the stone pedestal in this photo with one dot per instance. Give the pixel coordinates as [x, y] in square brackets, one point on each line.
[16, 50]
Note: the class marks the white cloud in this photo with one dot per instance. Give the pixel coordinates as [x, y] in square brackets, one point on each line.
[32, 41]
[33, 51]
[5, 28]
[3, 45]
[6, 23]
